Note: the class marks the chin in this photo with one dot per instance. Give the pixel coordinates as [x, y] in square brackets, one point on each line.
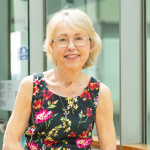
[74, 67]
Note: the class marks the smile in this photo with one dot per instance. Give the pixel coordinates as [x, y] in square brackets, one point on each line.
[72, 56]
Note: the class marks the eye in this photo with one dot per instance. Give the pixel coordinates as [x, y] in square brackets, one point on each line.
[62, 39]
[79, 38]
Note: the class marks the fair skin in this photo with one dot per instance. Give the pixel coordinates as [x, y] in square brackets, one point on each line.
[68, 78]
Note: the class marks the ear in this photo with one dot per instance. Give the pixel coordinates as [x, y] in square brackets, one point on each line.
[91, 46]
[52, 47]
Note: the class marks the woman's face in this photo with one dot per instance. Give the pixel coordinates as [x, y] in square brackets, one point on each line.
[70, 57]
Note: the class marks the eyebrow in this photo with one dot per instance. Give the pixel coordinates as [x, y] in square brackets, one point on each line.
[66, 34]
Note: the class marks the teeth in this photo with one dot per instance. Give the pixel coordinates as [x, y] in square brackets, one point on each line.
[72, 55]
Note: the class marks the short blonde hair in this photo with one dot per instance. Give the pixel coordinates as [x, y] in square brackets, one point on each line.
[80, 22]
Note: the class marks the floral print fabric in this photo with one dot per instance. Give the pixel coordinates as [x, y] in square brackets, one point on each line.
[48, 129]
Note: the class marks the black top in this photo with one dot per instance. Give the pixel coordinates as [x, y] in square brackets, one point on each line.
[48, 129]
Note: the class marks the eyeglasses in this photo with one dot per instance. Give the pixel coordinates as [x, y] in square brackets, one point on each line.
[78, 41]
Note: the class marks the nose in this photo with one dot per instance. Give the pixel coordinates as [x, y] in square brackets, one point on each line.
[71, 44]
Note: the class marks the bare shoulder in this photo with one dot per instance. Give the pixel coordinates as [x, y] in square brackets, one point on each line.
[105, 98]
[27, 81]
[26, 85]
[25, 90]
[104, 90]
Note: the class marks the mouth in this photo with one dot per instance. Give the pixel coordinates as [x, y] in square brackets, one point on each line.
[72, 56]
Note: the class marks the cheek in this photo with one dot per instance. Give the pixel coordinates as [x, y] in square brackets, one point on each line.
[85, 57]
[59, 55]
[86, 53]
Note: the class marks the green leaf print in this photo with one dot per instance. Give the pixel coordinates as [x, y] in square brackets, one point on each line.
[59, 148]
[52, 119]
[81, 116]
[44, 146]
[49, 102]
[51, 106]
[90, 133]
[73, 111]
[39, 134]
[55, 102]
[55, 114]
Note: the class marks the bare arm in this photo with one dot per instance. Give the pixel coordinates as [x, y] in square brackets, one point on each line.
[104, 120]
[20, 116]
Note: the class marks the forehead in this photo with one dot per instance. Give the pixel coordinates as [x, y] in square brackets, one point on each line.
[65, 29]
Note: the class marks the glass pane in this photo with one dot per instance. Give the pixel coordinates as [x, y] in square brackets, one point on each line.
[105, 18]
[19, 42]
[14, 50]
[148, 68]
[19, 39]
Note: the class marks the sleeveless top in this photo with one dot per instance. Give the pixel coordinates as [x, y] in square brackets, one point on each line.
[48, 129]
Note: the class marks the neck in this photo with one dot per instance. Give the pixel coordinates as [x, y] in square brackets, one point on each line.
[67, 77]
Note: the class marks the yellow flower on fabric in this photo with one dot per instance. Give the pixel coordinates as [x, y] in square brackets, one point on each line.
[69, 98]
[70, 103]
[56, 131]
[65, 141]
[75, 99]
[69, 122]
[50, 139]
[50, 132]
[60, 126]
[68, 107]
[43, 133]
[76, 106]
[55, 134]
[67, 129]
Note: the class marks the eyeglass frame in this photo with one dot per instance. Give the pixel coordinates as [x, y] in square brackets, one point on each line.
[73, 41]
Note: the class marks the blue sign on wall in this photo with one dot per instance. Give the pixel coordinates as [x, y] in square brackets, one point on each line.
[23, 53]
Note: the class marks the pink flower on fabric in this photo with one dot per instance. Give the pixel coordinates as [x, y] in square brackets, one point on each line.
[81, 143]
[36, 81]
[43, 115]
[33, 146]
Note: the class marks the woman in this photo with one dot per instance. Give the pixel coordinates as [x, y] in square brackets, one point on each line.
[61, 106]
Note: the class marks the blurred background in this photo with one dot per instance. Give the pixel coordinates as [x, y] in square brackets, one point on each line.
[15, 49]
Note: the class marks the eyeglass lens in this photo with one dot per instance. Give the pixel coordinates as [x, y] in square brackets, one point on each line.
[64, 41]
